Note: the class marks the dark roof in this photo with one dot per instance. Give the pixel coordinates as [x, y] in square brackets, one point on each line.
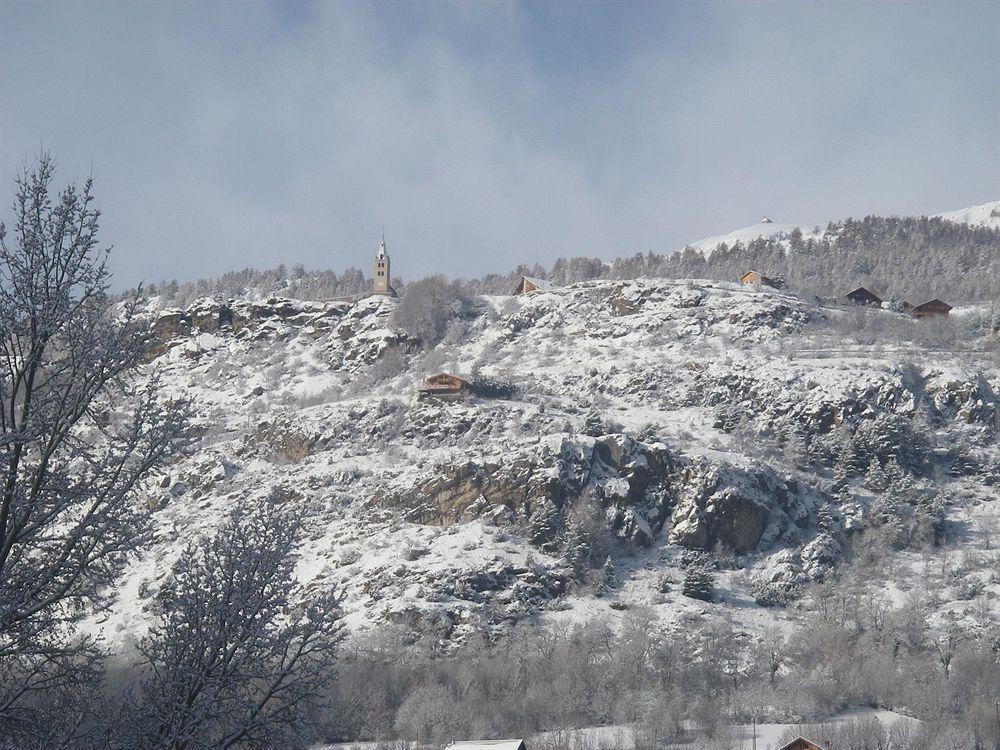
[862, 293]
[932, 303]
[801, 743]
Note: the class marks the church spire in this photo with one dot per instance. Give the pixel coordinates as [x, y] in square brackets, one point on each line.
[382, 280]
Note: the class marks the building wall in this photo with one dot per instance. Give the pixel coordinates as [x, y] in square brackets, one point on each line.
[380, 285]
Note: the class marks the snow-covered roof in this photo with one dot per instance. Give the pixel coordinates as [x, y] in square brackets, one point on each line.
[487, 745]
[538, 283]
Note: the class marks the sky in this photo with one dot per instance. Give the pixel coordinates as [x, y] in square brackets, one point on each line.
[482, 135]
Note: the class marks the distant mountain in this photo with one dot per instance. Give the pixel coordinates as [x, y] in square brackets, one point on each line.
[986, 215]
[763, 229]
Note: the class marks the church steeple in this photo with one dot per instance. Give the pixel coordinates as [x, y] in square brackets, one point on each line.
[382, 280]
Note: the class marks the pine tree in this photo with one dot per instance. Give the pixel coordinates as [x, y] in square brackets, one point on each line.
[606, 580]
[699, 580]
[875, 478]
[576, 550]
[543, 527]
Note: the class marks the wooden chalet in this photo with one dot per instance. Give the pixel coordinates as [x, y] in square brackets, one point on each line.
[801, 743]
[487, 745]
[755, 277]
[863, 296]
[530, 284]
[444, 386]
[930, 307]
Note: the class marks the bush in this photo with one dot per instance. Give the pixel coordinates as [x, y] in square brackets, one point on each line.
[488, 387]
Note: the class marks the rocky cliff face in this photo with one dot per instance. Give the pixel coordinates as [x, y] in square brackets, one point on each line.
[652, 419]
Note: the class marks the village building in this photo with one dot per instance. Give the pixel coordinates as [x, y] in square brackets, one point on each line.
[382, 279]
[755, 277]
[863, 296]
[530, 284]
[444, 386]
[801, 743]
[931, 307]
[487, 745]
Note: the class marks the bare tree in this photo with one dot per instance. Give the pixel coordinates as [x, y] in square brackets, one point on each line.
[68, 513]
[233, 660]
[428, 306]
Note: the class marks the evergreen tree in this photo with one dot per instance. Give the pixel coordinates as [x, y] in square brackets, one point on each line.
[544, 525]
[699, 579]
[606, 580]
[576, 550]
[875, 478]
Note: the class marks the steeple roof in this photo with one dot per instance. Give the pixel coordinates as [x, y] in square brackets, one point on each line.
[382, 253]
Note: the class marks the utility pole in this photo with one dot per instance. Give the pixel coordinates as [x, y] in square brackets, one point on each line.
[754, 720]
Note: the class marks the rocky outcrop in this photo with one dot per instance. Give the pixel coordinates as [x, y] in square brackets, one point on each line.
[642, 488]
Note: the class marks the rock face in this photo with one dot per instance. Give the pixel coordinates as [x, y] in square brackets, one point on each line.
[645, 492]
[653, 421]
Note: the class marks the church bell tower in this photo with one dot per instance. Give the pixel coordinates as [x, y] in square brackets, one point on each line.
[381, 282]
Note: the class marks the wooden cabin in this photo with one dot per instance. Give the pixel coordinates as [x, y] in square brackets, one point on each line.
[444, 386]
[801, 743]
[755, 277]
[863, 296]
[530, 284]
[487, 745]
[931, 307]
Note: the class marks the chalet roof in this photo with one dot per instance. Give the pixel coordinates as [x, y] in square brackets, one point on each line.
[762, 275]
[801, 743]
[445, 375]
[863, 293]
[538, 283]
[933, 302]
[487, 745]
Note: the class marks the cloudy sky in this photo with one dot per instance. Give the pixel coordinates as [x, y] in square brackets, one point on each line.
[483, 135]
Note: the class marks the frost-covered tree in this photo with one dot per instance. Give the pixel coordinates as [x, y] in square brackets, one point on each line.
[235, 660]
[76, 437]
[606, 579]
[576, 549]
[875, 478]
[699, 579]
[544, 525]
[428, 306]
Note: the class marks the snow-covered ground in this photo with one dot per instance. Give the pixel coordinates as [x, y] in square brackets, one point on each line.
[424, 513]
[984, 215]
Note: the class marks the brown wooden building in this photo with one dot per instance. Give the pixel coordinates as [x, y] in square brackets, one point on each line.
[931, 307]
[444, 386]
[801, 743]
[531, 284]
[863, 296]
[755, 277]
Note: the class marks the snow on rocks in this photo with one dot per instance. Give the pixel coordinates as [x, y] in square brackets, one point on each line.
[452, 517]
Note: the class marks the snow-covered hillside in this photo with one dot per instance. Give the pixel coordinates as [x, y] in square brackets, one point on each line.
[662, 419]
[985, 215]
[764, 228]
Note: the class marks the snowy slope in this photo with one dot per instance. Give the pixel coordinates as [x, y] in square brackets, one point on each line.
[985, 215]
[635, 402]
[767, 230]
